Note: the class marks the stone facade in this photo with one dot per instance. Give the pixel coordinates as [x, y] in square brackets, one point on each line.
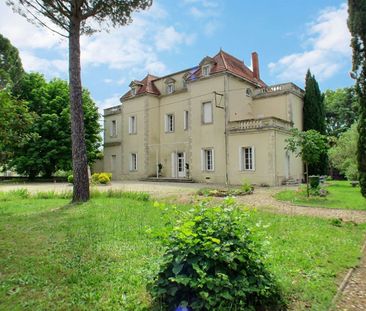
[216, 122]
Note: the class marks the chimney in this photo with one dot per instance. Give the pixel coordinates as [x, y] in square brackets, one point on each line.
[255, 65]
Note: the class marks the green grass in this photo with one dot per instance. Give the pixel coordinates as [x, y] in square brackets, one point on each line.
[341, 195]
[99, 256]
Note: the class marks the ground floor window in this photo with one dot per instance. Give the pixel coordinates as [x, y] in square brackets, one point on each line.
[208, 159]
[133, 162]
[247, 159]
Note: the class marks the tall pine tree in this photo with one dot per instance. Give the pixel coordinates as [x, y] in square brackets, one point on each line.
[314, 118]
[357, 27]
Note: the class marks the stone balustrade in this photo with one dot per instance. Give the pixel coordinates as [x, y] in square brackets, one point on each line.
[255, 124]
[278, 89]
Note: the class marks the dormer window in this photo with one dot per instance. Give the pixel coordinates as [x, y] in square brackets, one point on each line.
[170, 85]
[206, 70]
[135, 85]
[170, 88]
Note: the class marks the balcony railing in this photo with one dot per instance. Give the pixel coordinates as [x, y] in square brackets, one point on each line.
[112, 110]
[279, 88]
[263, 123]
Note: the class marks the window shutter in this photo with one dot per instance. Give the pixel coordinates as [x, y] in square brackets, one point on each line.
[129, 125]
[202, 159]
[166, 123]
[241, 158]
[213, 159]
[253, 158]
[173, 157]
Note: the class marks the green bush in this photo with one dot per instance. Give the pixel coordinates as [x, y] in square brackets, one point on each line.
[314, 182]
[95, 178]
[70, 179]
[103, 178]
[213, 261]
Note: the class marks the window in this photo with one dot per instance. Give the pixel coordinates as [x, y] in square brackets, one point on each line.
[169, 123]
[132, 126]
[133, 90]
[208, 159]
[247, 160]
[184, 83]
[133, 162]
[206, 70]
[170, 88]
[207, 113]
[113, 130]
[249, 92]
[185, 120]
[113, 162]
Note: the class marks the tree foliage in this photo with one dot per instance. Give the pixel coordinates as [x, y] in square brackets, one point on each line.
[72, 18]
[343, 155]
[15, 122]
[341, 110]
[357, 27]
[11, 68]
[309, 145]
[314, 118]
[49, 148]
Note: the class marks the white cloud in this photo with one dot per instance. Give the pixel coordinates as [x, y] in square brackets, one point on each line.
[328, 50]
[168, 39]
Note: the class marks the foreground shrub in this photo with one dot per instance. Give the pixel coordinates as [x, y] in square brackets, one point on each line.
[213, 261]
[101, 178]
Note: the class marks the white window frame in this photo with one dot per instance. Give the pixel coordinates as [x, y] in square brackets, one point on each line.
[132, 125]
[207, 163]
[169, 123]
[206, 70]
[113, 129]
[170, 88]
[247, 164]
[133, 91]
[210, 121]
[133, 162]
[185, 120]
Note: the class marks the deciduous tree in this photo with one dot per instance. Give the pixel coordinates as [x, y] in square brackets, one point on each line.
[49, 148]
[73, 18]
[341, 110]
[357, 27]
[310, 146]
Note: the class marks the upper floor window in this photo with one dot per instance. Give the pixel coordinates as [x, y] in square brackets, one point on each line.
[132, 125]
[113, 129]
[185, 120]
[207, 113]
[206, 70]
[133, 90]
[247, 159]
[249, 92]
[169, 123]
[170, 88]
[207, 158]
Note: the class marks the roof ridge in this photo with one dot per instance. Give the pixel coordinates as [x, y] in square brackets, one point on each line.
[223, 58]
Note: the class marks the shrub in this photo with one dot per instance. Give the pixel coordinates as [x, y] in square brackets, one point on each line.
[213, 261]
[103, 178]
[314, 182]
[70, 179]
[95, 178]
[247, 187]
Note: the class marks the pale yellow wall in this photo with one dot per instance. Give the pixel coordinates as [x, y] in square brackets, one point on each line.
[264, 146]
[178, 77]
[133, 143]
[107, 161]
[207, 135]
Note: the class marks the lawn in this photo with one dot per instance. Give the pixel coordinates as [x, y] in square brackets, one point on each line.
[341, 195]
[99, 256]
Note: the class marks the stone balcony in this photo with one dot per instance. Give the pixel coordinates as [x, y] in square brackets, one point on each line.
[278, 89]
[112, 110]
[258, 124]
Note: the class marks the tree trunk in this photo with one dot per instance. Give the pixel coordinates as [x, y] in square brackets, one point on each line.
[307, 180]
[79, 160]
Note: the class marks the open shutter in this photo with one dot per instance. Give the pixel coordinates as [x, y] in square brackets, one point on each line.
[202, 160]
[253, 157]
[174, 166]
[240, 157]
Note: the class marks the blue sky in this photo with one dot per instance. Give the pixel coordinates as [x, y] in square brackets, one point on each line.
[289, 36]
